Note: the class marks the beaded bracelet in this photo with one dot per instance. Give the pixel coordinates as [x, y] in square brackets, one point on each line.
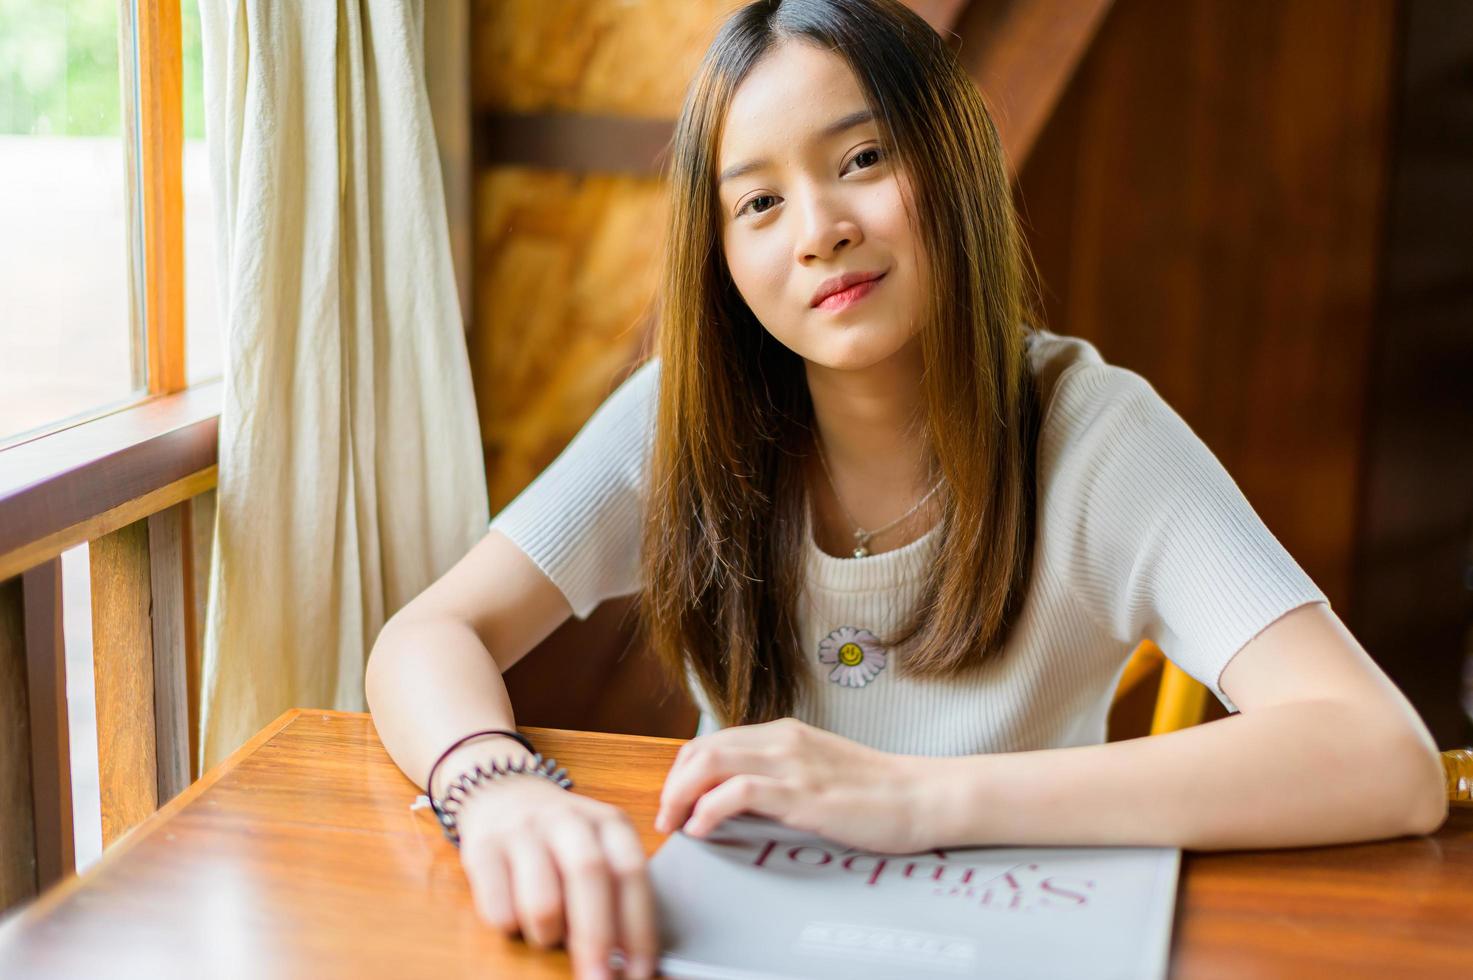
[461, 787]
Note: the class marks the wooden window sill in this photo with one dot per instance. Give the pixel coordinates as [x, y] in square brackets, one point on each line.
[80, 483]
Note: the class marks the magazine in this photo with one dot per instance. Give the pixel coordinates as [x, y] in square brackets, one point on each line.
[757, 899]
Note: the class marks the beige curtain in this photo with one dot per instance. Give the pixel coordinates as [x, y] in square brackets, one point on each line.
[351, 473]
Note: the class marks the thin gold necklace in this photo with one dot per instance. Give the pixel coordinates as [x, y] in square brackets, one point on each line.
[861, 536]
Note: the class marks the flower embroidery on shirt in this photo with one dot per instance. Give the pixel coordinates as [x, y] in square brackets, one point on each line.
[856, 654]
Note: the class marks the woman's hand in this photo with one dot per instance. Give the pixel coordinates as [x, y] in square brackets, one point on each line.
[554, 865]
[802, 776]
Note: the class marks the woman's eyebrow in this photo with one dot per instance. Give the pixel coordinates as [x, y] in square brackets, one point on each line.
[832, 129]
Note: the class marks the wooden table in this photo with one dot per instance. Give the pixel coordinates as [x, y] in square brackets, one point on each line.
[299, 856]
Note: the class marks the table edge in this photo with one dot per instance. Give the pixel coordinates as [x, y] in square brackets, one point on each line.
[60, 891]
[532, 730]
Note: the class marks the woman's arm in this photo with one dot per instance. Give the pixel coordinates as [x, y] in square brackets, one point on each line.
[435, 671]
[1325, 750]
[558, 866]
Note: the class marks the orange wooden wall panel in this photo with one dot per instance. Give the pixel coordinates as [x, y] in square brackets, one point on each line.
[566, 268]
[617, 57]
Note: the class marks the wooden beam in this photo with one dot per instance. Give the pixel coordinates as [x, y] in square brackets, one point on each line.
[573, 142]
[1022, 54]
[51, 485]
[17, 819]
[122, 641]
[51, 753]
[161, 145]
[200, 535]
[108, 521]
[170, 583]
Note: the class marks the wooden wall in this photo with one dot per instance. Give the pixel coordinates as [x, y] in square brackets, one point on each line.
[1206, 206]
[1413, 571]
[566, 261]
[1225, 201]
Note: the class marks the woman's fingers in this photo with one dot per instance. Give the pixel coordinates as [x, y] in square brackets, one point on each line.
[537, 892]
[739, 794]
[703, 769]
[635, 899]
[588, 887]
[489, 874]
[573, 872]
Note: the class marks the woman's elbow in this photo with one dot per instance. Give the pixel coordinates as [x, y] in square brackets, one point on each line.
[1428, 803]
[379, 653]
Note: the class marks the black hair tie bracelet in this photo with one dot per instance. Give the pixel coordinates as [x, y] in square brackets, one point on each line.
[462, 786]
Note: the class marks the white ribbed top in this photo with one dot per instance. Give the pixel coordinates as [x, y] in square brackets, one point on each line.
[1141, 534]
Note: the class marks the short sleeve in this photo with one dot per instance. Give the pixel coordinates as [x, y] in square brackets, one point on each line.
[580, 519]
[1158, 541]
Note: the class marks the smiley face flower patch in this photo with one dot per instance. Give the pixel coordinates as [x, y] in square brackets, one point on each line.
[856, 654]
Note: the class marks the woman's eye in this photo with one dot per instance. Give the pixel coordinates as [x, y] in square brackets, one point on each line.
[870, 152]
[760, 197]
[870, 155]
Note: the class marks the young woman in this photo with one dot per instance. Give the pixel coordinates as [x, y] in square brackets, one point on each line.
[899, 544]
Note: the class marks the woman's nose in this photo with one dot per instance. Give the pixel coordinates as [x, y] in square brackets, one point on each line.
[826, 230]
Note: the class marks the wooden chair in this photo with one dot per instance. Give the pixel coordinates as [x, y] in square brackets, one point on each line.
[1180, 700]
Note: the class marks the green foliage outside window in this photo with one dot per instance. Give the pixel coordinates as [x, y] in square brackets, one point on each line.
[59, 68]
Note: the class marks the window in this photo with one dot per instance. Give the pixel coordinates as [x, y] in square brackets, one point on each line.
[106, 241]
[66, 323]
[106, 247]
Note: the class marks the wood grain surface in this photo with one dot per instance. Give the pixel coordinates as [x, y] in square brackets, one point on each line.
[1022, 55]
[161, 145]
[1204, 206]
[566, 267]
[50, 793]
[17, 826]
[170, 579]
[299, 856]
[604, 56]
[122, 654]
[85, 481]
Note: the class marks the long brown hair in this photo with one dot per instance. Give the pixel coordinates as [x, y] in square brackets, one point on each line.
[723, 536]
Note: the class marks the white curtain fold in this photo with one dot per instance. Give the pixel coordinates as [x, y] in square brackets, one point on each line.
[351, 473]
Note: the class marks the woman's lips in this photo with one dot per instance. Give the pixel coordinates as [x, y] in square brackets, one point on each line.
[846, 298]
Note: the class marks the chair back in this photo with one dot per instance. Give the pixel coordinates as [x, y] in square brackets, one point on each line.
[1180, 699]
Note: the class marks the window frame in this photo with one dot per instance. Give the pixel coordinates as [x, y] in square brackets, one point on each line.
[81, 479]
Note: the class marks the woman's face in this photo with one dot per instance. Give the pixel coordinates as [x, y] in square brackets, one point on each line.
[820, 202]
